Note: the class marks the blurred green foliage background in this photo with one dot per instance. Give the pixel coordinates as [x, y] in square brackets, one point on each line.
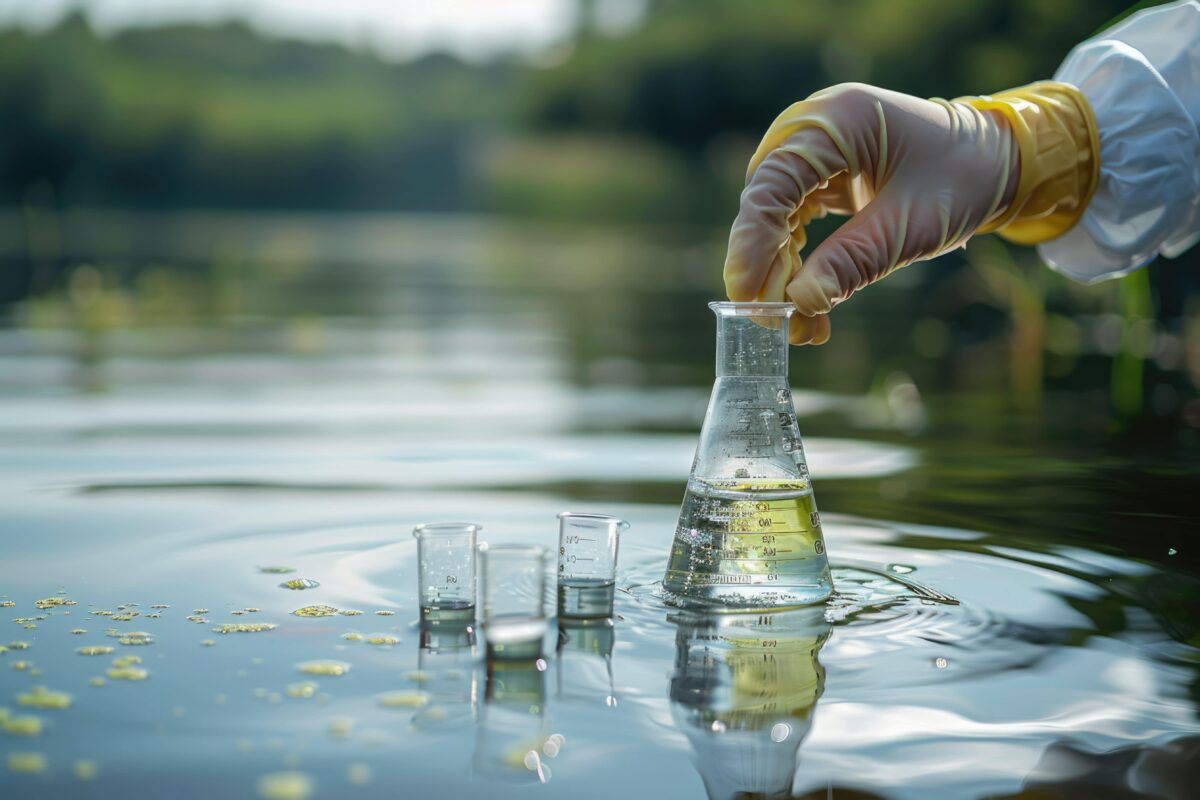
[158, 175]
[656, 122]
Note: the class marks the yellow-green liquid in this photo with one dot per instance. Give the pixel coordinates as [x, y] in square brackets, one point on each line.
[749, 543]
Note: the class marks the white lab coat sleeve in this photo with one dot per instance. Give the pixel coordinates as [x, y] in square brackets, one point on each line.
[1142, 79]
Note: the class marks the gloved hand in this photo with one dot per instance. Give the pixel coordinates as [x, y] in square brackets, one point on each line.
[919, 177]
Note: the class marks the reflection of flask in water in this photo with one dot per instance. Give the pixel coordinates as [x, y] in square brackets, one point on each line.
[743, 692]
[749, 535]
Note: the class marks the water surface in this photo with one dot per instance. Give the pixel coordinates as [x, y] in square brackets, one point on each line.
[1016, 607]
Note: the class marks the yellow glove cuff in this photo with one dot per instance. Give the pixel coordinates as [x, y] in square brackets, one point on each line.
[1060, 158]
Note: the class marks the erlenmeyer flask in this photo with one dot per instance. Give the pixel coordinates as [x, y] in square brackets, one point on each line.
[749, 535]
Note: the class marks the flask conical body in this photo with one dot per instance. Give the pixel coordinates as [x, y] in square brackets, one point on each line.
[749, 535]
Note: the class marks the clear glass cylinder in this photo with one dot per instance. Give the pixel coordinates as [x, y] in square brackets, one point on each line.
[514, 609]
[749, 535]
[446, 579]
[587, 563]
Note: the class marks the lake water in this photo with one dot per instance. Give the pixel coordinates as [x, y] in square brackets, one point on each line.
[1016, 611]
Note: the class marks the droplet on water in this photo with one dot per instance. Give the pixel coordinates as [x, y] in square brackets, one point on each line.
[1171, 551]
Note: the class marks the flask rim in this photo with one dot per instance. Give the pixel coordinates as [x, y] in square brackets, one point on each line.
[731, 309]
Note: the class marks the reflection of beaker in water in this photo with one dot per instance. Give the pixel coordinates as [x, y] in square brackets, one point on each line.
[449, 675]
[749, 535]
[743, 692]
[584, 665]
[513, 724]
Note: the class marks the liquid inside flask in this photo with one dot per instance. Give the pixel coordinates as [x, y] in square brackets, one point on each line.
[749, 535]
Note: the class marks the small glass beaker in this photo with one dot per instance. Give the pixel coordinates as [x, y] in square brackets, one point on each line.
[514, 608]
[587, 564]
[446, 572]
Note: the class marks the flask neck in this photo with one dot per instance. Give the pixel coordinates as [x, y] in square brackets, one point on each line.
[752, 346]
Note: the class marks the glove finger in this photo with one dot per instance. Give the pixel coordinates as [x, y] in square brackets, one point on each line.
[864, 249]
[809, 330]
[770, 201]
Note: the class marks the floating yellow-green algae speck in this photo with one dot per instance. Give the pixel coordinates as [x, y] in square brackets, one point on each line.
[79, 631]
[97, 682]
[353, 636]
[94, 650]
[303, 689]
[137, 638]
[21, 726]
[276, 570]
[385, 613]
[333, 668]
[26, 762]
[350, 612]
[315, 611]
[41, 697]
[126, 661]
[285, 786]
[18, 645]
[382, 639]
[7, 604]
[51, 602]
[128, 674]
[85, 770]
[402, 699]
[358, 774]
[299, 583]
[244, 627]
